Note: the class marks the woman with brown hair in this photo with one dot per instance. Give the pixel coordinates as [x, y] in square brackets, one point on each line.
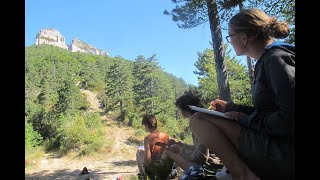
[259, 143]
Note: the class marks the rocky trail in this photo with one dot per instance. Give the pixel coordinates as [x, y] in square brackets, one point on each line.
[119, 160]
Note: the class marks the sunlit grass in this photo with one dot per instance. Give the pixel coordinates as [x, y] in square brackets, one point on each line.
[33, 157]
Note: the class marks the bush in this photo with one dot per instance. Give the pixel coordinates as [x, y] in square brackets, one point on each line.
[92, 120]
[73, 133]
[32, 138]
[92, 147]
[160, 168]
[136, 121]
[140, 132]
[82, 132]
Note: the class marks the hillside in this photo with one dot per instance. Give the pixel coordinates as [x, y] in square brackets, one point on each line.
[56, 110]
[117, 158]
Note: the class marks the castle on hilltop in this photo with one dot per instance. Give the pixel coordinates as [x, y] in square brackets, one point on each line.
[54, 37]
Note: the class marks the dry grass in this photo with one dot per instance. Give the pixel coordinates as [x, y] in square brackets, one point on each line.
[33, 158]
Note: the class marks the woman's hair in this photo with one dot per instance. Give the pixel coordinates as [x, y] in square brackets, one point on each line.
[256, 22]
[188, 98]
[150, 121]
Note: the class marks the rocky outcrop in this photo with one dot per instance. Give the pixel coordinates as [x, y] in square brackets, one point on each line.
[54, 37]
[79, 46]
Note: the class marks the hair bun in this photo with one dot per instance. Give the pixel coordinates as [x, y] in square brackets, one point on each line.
[277, 29]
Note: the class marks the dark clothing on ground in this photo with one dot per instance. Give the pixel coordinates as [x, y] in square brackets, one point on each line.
[193, 172]
[268, 133]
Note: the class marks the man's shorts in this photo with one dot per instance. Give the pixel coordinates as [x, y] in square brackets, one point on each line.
[141, 147]
[193, 172]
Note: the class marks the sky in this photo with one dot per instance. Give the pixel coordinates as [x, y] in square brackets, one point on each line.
[123, 28]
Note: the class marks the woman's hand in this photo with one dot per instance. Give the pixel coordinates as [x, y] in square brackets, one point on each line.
[218, 105]
[235, 115]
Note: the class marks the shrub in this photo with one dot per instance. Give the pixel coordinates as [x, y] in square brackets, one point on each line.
[82, 132]
[72, 133]
[32, 138]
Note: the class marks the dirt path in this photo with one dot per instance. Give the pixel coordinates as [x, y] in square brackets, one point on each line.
[117, 160]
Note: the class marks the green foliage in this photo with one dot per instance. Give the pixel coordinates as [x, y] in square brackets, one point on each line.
[94, 146]
[92, 120]
[31, 109]
[153, 90]
[238, 78]
[140, 133]
[143, 73]
[82, 103]
[84, 133]
[192, 13]
[119, 94]
[207, 76]
[136, 121]
[56, 108]
[239, 82]
[160, 168]
[32, 138]
[90, 75]
[133, 177]
[44, 123]
[73, 133]
[189, 14]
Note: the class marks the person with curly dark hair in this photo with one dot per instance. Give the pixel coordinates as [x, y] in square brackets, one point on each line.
[194, 159]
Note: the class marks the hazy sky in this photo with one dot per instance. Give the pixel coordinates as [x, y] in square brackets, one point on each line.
[126, 28]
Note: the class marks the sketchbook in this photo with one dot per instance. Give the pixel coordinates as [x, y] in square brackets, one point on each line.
[208, 111]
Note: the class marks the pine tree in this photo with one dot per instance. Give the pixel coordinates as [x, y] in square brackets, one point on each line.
[119, 87]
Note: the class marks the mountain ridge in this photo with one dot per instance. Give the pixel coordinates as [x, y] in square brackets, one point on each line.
[53, 37]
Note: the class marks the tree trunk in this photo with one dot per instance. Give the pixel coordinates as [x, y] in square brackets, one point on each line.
[151, 93]
[121, 106]
[216, 35]
[249, 62]
[175, 97]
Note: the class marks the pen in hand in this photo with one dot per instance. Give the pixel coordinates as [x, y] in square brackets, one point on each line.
[211, 107]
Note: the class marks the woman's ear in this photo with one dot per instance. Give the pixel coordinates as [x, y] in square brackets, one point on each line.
[244, 38]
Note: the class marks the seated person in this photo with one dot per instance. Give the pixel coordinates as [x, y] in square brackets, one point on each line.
[259, 143]
[149, 157]
[194, 159]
